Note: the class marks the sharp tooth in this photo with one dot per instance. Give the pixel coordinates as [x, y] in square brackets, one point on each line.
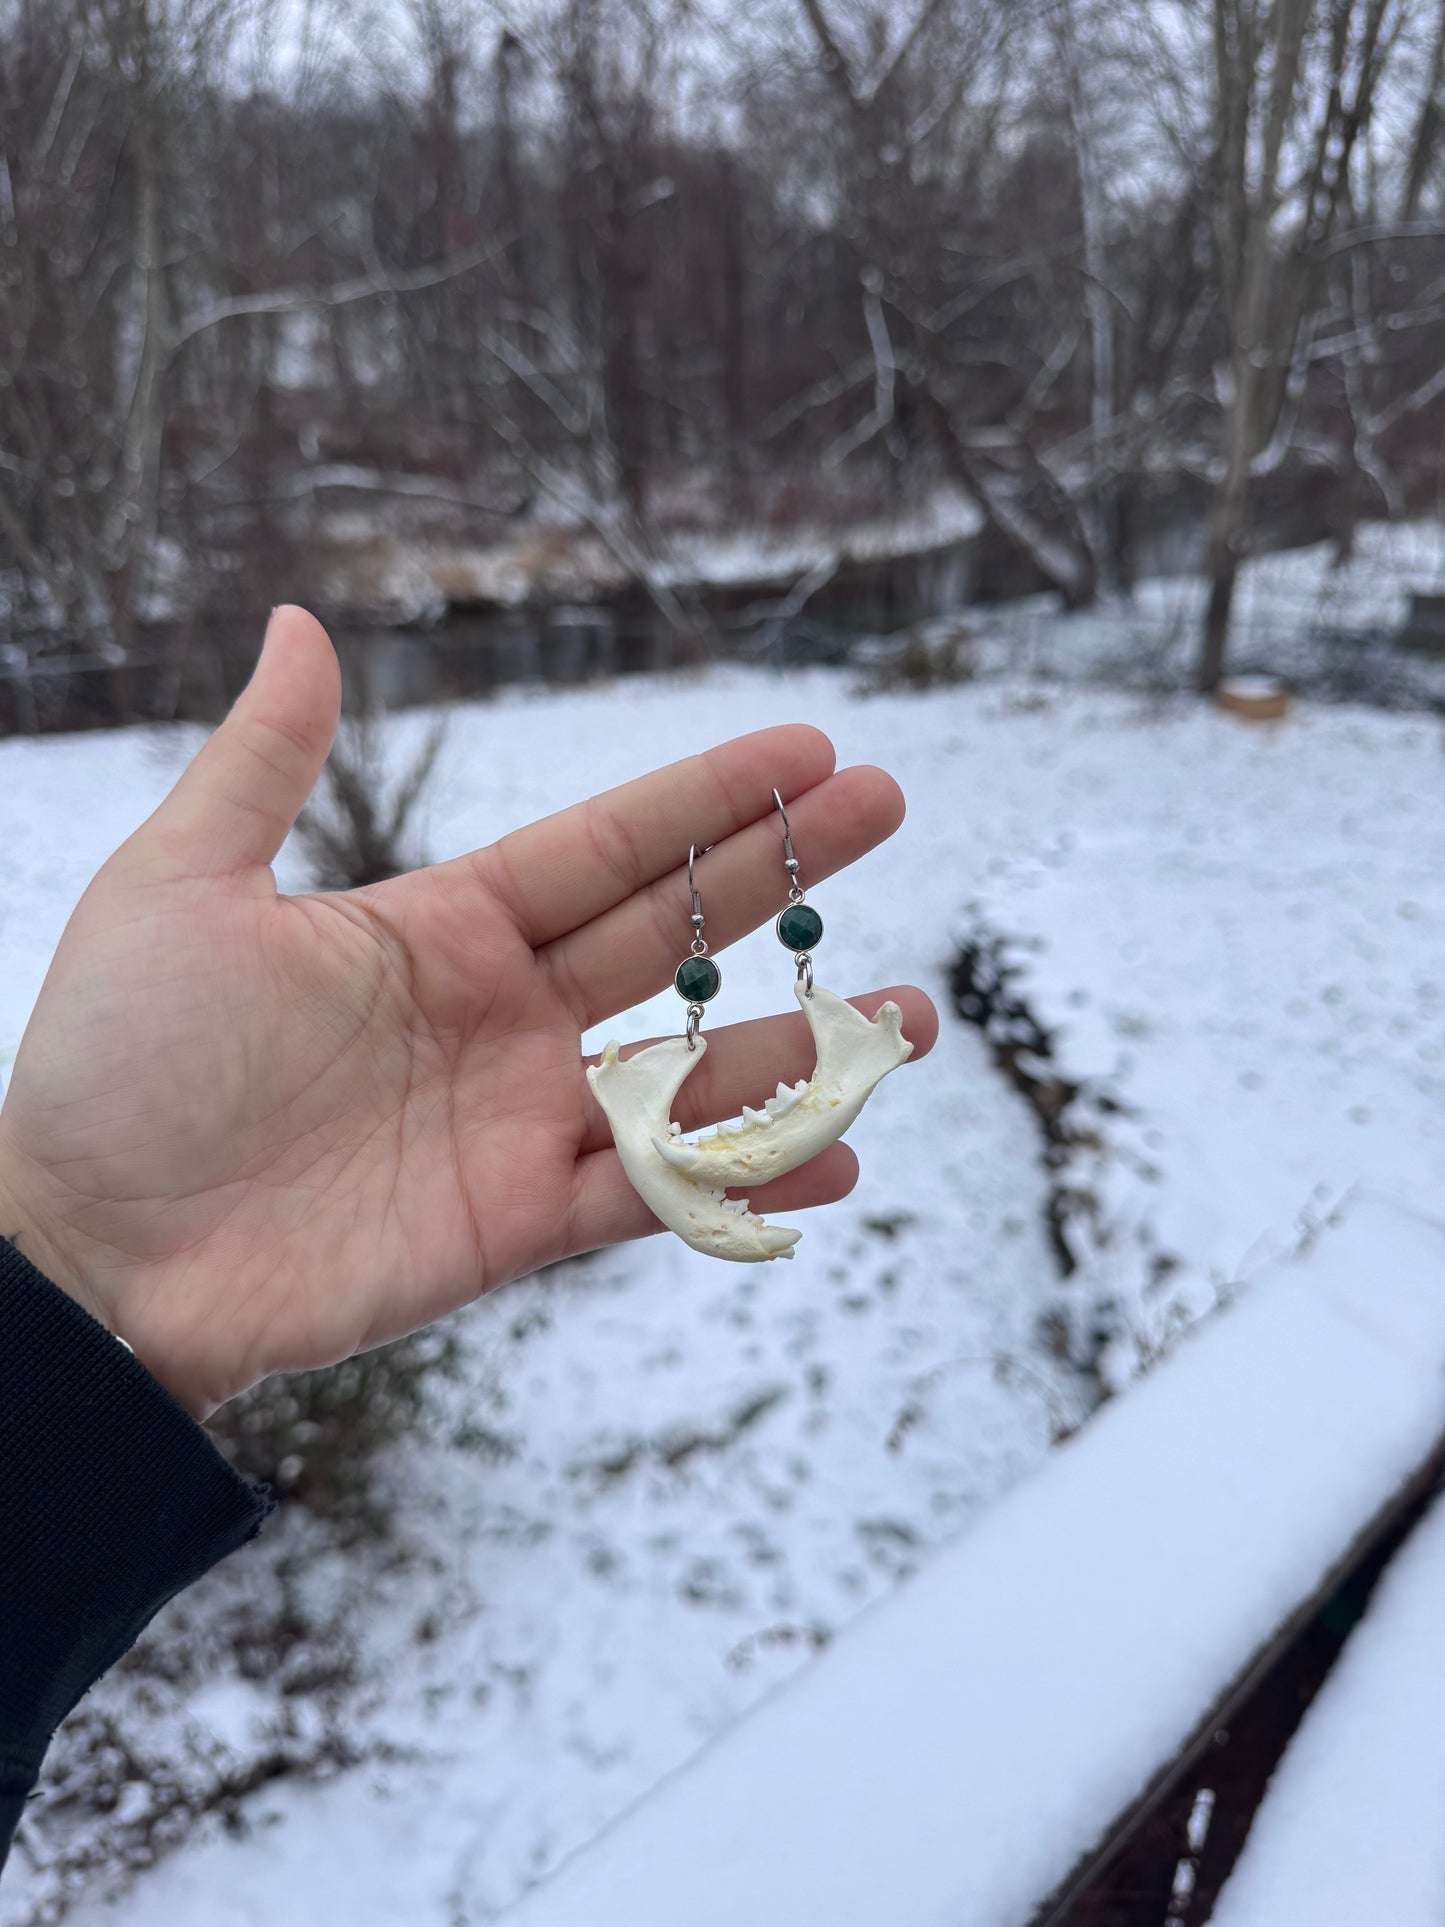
[801, 1086]
[676, 1152]
[750, 1116]
[674, 1130]
[778, 1241]
[782, 1088]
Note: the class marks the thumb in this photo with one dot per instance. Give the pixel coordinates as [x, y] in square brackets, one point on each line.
[234, 806]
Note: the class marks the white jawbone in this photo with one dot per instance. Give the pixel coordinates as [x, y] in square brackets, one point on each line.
[683, 1183]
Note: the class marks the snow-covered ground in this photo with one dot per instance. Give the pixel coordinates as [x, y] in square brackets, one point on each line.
[658, 1486]
[1321, 625]
[968, 1743]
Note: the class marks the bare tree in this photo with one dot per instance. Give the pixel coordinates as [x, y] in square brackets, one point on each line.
[645, 269]
[88, 311]
[1424, 151]
[1295, 85]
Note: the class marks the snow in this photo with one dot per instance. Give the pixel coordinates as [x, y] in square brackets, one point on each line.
[947, 517]
[1249, 942]
[1302, 617]
[1250, 688]
[604, 1600]
[965, 1744]
[1350, 1828]
[1239, 932]
[547, 561]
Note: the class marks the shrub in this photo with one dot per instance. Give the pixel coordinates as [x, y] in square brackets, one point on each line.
[355, 830]
[315, 1435]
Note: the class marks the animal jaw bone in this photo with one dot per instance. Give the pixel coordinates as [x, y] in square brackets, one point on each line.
[854, 1054]
[684, 1183]
[637, 1097]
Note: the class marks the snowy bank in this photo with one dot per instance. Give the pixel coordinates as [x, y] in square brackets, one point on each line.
[966, 1743]
[1237, 932]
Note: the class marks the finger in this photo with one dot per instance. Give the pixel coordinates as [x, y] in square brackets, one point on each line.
[236, 803]
[608, 1211]
[565, 870]
[633, 949]
[745, 1062]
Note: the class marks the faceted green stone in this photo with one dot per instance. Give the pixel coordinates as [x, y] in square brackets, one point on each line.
[698, 979]
[800, 926]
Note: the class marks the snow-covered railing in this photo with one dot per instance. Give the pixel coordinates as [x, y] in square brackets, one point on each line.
[1352, 1828]
[964, 1748]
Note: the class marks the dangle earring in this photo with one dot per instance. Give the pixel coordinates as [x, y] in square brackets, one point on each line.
[698, 979]
[685, 1183]
[798, 926]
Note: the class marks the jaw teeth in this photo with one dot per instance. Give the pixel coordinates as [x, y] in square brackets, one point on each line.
[750, 1116]
[786, 1098]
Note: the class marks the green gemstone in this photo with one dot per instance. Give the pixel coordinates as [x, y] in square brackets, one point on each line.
[698, 979]
[800, 926]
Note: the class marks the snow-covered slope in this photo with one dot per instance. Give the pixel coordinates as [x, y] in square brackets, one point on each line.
[967, 1742]
[1241, 930]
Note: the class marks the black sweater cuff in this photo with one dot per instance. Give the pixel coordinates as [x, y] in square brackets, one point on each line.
[112, 1499]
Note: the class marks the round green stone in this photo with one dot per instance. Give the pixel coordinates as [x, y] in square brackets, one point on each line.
[698, 979]
[800, 926]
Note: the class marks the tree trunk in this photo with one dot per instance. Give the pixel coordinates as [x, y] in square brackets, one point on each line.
[1230, 513]
[1099, 512]
[1226, 528]
[1223, 574]
[1426, 140]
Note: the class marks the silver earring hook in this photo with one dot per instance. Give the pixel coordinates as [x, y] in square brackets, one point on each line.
[796, 895]
[699, 942]
[790, 861]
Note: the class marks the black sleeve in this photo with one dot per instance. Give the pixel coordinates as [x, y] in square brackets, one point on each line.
[112, 1499]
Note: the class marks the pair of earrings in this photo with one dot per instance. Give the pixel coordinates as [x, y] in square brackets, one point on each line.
[798, 925]
[685, 1182]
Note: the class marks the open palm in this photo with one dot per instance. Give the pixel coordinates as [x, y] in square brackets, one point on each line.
[253, 1132]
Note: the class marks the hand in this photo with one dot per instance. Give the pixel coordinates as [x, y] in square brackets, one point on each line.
[252, 1132]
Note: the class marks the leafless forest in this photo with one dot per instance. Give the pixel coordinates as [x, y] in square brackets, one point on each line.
[282, 290]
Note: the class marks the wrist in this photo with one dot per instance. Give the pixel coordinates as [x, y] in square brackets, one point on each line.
[37, 1229]
[23, 1223]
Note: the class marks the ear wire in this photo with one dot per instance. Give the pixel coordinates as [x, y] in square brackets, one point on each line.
[698, 978]
[799, 926]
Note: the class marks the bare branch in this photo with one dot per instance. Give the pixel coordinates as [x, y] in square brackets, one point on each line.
[338, 293]
[884, 371]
